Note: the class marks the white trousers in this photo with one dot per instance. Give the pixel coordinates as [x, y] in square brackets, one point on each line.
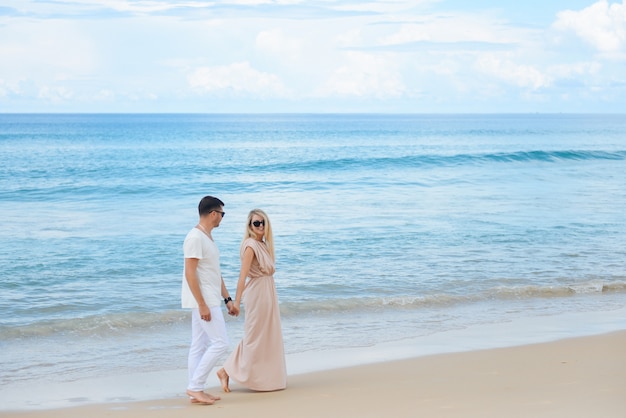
[208, 343]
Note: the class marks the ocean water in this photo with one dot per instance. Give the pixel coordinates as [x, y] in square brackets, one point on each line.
[387, 228]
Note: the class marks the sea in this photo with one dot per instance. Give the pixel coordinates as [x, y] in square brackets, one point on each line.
[391, 230]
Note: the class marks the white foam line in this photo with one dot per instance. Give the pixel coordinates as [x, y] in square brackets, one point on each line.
[171, 383]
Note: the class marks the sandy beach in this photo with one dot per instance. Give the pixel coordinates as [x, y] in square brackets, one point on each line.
[576, 377]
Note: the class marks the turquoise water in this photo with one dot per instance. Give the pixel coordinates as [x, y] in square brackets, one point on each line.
[387, 227]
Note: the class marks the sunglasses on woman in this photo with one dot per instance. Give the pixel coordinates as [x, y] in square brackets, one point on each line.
[258, 223]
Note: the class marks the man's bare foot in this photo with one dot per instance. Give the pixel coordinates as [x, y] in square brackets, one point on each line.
[214, 397]
[201, 398]
[223, 376]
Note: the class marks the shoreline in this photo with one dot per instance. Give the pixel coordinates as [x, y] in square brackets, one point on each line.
[169, 384]
[573, 377]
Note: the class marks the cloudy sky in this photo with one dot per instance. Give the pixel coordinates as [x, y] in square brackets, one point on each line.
[415, 56]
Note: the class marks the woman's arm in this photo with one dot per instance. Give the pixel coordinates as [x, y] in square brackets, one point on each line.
[246, 263]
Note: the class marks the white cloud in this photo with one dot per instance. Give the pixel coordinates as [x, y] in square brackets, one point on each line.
[105, 96]
[125, 6]
[399, 7]
[9, 88]
[136, 7]
[524, 76]
[51, 48]
[364, 75]
[262, 2]
[409, 33]
[119, 55]
[460, 27]
[602, 25]
[575, 70]
[239, 78]
[277, 43]
[55, 94]
[348, 38]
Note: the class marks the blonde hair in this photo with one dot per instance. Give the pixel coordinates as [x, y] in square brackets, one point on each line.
[269, 238]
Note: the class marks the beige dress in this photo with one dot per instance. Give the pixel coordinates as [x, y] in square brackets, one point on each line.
[258, 362]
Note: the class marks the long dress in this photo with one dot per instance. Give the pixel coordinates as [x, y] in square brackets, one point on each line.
[258, 362]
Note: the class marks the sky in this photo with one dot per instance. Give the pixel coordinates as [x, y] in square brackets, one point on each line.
[320, 56]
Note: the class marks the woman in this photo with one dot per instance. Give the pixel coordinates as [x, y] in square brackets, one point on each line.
[258, 362]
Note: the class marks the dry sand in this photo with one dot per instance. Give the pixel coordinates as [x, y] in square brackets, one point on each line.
[579, 377]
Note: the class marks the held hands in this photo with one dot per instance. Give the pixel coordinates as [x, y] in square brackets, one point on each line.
[233, 309]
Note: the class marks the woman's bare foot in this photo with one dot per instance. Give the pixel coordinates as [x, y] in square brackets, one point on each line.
[223, 376]
[201, 398]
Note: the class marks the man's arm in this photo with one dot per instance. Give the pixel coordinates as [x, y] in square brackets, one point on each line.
[191, 275]
[230, 305]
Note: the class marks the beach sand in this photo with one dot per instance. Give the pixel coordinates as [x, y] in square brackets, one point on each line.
[577, 377]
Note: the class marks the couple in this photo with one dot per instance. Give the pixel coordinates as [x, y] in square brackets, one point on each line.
[258, 362]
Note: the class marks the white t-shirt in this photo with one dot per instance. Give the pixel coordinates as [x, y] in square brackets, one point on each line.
[198, 245]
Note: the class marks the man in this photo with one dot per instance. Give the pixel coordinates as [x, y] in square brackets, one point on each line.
[203, 290]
